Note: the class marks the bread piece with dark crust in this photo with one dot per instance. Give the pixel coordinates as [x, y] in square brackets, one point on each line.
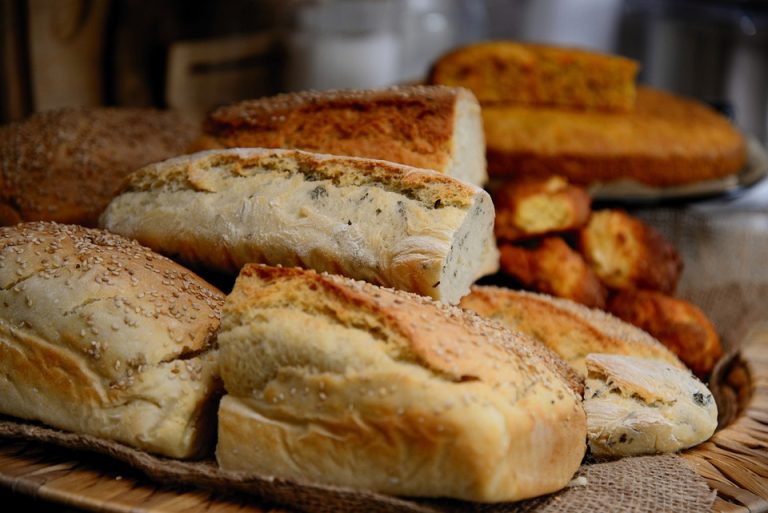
[534, 207]
[432, 127]
[342, 382]
[66, 165]
[677, 323]
[627, 253]
[101, 336]
[569, 329]
[552, 267]
[667, 140]
[538, 75]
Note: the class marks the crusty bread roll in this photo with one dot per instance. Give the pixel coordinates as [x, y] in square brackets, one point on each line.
[385, 223]
[640, 406]
[432, 127]
[101, 336]
[339, 381]
[65, 165]
[571, 330]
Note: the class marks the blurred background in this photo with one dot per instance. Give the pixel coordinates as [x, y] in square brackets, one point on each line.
[196, 55]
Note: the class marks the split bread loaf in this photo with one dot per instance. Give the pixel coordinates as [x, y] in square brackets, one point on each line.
[431, 127]
[388, 224]
[342, 382]
[101, 336]
[639, 406]
[571, 330]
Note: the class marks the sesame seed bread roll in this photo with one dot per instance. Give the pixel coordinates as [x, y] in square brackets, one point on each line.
[388, 224]
[431, 127]
[101, 336]
[342, 382]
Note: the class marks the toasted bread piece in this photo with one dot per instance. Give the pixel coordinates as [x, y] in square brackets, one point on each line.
[533, 207]
[569, 329]
[678, 324]
[553, 268]
[627, 253]
[534, 74]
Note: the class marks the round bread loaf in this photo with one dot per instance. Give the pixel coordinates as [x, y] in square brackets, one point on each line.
[65, 165]
[101, 336]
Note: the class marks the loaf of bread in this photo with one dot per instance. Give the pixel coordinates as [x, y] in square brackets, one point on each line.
[571, 330]
[389, 224]
[342, 382]
[552, 267]
[638, 406]
[667, 140]
[430, 127]
[627, 253]
[678, 324]
[534, 74]
[535, 207]
[66, 165]
[101, 336]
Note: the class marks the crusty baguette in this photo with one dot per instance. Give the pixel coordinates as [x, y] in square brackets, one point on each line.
[385, 223]
[101, 336]
[432, 127]
[343, 382]
[571, 330]
[65, 165]
[640, 406]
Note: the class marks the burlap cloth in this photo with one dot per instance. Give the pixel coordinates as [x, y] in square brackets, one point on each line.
[724, 253]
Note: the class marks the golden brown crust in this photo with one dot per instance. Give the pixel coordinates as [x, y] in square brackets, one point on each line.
[667, 140]
[678, 324]
[569, 329]
[412, 125]
[66, 165]
[532, 207]
[552, 267]
[626, 253]
[534, 74]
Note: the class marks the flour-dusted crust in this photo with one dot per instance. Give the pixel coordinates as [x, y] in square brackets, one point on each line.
[339, 381]
[389, 224]
[432, 127]
[101, 336]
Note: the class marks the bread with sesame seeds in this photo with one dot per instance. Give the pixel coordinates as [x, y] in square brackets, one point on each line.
[432, 127]
[385, 223]
[65, 165]
[342, 382]
[101, 336]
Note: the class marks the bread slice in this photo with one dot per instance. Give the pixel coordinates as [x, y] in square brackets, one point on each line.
[571, 330]
[342, 382]
[66, 165]
[393, 225]
[537, 75]
[639, 406]
[101, 336]
[431, 127]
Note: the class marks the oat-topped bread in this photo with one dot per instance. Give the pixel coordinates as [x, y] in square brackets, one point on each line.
[571, 330]
[101, 336]
[65, 165]
[640, 406]
[667, 140]
[534, 74]
[342, 382]
[431, 127]
[389, 224]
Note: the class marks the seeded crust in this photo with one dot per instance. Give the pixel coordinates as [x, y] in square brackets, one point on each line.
[667, 140]
[571, 330]
[389, 224]
[431, 127]
[65, 165]
[101, 336]
[343, 382]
